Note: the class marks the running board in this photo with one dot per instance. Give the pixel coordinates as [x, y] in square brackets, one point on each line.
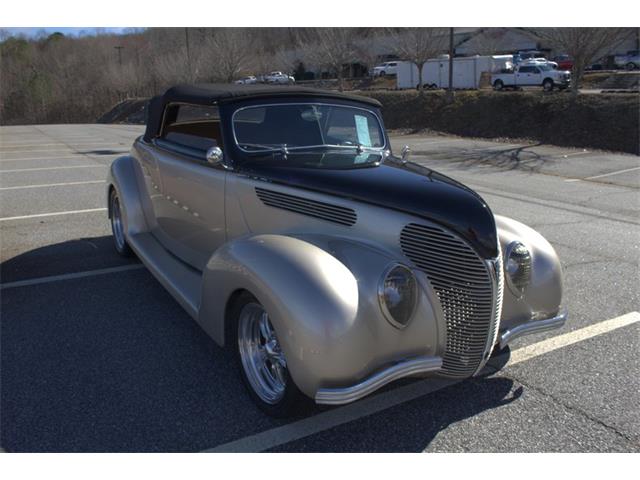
[183, 282]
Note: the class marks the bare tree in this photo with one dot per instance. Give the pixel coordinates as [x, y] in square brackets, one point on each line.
[230, 50]
[417, 45]
[584, 44]
[333, 48]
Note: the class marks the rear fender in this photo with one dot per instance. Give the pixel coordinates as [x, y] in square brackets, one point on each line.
[123, 177]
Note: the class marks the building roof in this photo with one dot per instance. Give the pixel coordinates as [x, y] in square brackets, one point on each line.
[210, 93]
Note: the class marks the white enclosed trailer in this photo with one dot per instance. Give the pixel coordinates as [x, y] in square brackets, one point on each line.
[466, 71]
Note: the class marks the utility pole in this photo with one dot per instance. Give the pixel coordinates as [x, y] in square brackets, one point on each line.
[450, 63]
[119, 49]
[186, 42]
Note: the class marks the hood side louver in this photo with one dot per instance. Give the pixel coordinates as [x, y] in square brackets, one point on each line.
[304, 206]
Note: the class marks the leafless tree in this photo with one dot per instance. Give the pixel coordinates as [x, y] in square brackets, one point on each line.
[230, 50]
[584, 44]
[417, 45]
[333, 48]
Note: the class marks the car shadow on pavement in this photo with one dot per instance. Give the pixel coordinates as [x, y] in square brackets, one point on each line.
[413, 426]
[112, 363]
[72, 256]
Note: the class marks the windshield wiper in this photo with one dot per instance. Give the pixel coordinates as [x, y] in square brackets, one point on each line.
[278, 148]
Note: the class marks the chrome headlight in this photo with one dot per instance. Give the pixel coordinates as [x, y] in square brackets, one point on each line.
[397, 294]
[517, 267]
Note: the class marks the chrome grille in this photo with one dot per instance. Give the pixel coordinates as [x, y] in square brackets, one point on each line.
[464, 284]
[313, 208]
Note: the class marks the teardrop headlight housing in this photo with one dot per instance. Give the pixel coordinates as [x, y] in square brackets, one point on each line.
[517, 267]
[398, 295]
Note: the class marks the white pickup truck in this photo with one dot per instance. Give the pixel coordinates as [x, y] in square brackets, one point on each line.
[532, 75]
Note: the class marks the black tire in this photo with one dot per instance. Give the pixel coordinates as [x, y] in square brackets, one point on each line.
[382, 74]
[292, 399]
[547, 85]
[631, 66]
[498, 85]
[117, 225]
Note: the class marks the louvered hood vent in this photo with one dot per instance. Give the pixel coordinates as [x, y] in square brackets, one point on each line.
[304, 206]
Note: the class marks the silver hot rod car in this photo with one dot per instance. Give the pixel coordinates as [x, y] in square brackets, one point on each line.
[280, 220]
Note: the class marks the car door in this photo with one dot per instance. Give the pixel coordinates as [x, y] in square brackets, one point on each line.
[536, 76]
[523, 76]
[192, 222]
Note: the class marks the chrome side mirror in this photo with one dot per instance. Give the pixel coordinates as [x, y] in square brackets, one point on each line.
[406, 153]
[214, 155]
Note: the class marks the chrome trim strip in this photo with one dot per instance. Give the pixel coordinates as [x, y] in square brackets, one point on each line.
[534, 326]
[339, 396]
[494, 266]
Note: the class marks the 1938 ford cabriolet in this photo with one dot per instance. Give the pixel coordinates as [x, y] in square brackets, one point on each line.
[280, 220]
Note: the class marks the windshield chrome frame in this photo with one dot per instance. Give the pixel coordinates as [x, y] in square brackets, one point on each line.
[305, 147]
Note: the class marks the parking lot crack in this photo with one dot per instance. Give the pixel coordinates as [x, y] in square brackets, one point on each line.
[576, 410]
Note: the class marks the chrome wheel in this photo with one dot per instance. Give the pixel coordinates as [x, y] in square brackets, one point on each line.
[262, 359]
[117, 226]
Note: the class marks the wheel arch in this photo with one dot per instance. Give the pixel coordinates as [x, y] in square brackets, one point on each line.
[123, 178]
[323, 305]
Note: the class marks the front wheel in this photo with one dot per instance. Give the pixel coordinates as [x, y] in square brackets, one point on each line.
[498, 85]
[262, 362]
[547, 85]
[117, 225]
[631, 66]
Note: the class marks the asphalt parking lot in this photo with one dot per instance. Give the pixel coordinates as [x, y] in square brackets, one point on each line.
[96, 355]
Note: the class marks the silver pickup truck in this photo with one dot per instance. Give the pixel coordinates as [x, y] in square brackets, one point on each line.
[532, 75]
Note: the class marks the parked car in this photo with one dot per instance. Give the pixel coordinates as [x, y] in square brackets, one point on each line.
[563, 62]
[282, 222]
[630, 61]
[279, 78]
[527, 75]
[522, 55]
[387, 68]
[248, 80]
[539, 61]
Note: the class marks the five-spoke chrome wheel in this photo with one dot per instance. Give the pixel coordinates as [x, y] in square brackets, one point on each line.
[260, 353]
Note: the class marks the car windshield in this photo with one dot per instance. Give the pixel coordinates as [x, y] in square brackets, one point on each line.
[545, 68]
[308, 126]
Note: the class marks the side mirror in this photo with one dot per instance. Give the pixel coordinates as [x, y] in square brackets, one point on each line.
[406, 153]
[214, 155]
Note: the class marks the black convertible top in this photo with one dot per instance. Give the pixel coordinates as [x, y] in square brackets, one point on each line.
[210, 93]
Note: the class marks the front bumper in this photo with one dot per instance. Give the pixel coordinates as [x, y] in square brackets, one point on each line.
[425, 364]
[339, 396]
[534, 326]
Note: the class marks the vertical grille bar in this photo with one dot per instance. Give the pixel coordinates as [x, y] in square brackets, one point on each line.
[469, 289]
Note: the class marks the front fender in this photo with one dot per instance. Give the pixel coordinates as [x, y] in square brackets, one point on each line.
[321, 295]
[543, 297]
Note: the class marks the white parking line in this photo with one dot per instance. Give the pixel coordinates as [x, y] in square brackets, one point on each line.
[69, 276]
[51, 168]
[66, 157]
[53, 214]
[603, 175]
[371, 405]
[69, 144]
[20, 187]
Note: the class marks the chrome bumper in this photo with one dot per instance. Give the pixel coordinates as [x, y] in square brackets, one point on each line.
[339, 396]
[535, 326]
